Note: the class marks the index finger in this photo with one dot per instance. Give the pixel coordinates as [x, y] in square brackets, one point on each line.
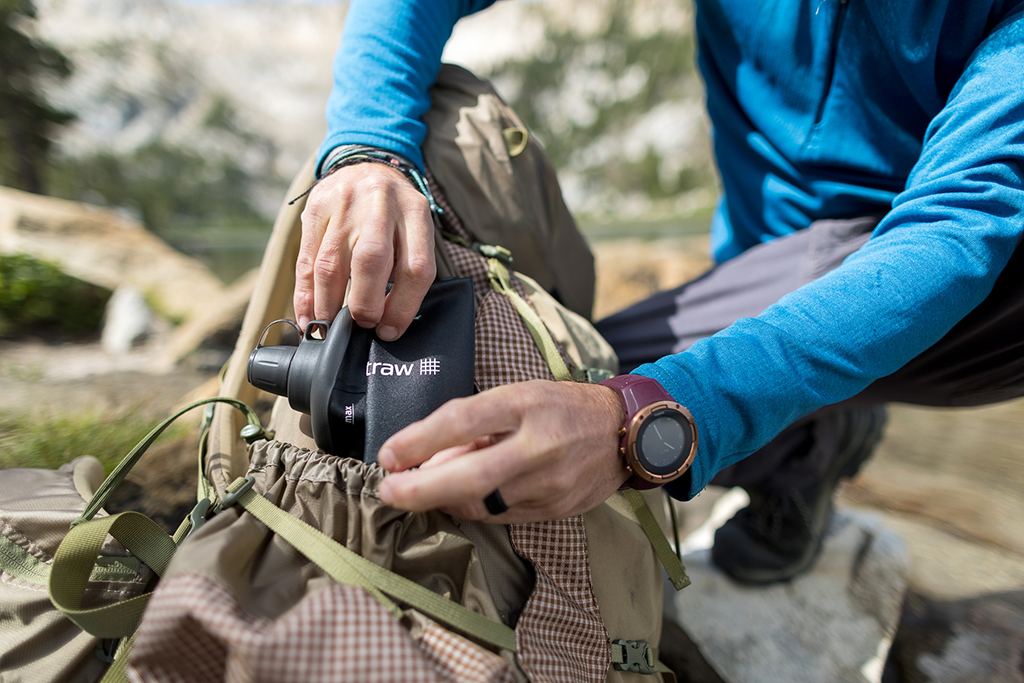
[459, 421]
[455, 482]
[314, 227]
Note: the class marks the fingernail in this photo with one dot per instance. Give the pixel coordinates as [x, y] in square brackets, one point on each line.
[387, 333]
[386, 459]
[385, 493]
[303, 321]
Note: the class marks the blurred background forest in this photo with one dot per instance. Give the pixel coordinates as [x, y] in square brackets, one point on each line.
[192, 117]
[188, 119]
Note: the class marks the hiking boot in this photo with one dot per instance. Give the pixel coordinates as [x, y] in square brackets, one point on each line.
[779, 534]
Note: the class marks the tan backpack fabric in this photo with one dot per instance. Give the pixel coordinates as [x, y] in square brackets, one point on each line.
[37, 642]
[285, 582]
[501, 184]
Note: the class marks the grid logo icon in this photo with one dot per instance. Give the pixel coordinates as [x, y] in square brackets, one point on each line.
[430, 366]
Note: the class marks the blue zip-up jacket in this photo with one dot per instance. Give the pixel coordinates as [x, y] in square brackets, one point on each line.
[820, 109]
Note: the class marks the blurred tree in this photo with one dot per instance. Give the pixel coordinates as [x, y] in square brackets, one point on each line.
[27, 121]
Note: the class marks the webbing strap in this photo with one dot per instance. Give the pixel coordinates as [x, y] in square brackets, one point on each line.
[348, 567]
[78, 553]
[182, 532]
[672, 564]
[128, 462]
[308, 541]
[501, 281]
[74, 561]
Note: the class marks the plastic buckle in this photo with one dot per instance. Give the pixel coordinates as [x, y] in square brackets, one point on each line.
[637, 656]
[253, 433]
[197, 517]
[231, 497]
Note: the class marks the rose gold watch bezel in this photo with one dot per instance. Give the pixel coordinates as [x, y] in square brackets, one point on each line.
[633, 431]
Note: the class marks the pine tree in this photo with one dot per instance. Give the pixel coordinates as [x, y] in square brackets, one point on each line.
[27, 121]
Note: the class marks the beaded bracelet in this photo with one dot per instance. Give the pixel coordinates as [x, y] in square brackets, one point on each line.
[349, 155]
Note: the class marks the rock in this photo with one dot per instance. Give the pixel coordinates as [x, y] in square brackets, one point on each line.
[948, 565]
[977, 640]
[958, 468]
[833, 624]
[127, 322]
[105, 248]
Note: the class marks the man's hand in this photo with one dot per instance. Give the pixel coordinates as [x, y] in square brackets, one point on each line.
[551, 448]
[368, 223]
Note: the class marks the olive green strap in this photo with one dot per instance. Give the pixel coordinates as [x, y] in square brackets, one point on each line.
[74, 561]
[673, 565]
[18, 562]
[128, 462]
[501, 281]
[348, 567]
[204, 487]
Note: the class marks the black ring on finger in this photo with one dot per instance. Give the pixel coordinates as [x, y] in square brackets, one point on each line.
[495, 503]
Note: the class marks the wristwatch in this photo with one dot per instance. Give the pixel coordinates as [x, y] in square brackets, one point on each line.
[659, 438]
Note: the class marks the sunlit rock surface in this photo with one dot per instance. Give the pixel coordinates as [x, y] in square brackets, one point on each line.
[835, 623]
[106, 248]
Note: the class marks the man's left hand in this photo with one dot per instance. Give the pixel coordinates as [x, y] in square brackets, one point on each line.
[550, 448]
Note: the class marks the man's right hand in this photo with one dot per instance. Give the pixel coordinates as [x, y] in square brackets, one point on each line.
[368, 224]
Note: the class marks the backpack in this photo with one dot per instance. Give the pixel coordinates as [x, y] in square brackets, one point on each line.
[302, 574]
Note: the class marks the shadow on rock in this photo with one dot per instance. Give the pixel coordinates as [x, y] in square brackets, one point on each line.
[976, 640]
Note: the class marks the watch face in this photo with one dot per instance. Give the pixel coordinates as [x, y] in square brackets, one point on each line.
[664, 442]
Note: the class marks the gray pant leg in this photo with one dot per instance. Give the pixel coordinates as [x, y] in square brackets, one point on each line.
[671, 321]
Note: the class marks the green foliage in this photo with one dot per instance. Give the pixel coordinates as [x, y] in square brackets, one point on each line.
[37, 298]
[27, 122]
[52, 441]
[645, 176]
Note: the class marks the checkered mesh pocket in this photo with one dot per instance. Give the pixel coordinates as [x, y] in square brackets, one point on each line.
[560, 636]
[195, 632]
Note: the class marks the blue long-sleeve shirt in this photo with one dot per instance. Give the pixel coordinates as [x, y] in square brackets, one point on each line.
[820, 109]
